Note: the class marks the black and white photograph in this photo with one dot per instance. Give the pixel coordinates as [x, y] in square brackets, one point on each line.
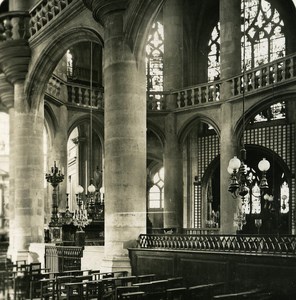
[147, 149]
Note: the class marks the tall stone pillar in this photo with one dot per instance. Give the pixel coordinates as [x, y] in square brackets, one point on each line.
[230, 23]
[27, 138]
[173, 76]
[7, 98]
[125, 146]
[28, 174]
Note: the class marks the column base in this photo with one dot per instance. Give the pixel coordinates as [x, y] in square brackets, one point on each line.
[112, 264]
[15, 255]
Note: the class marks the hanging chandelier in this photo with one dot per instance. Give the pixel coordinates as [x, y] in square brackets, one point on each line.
[242, 179]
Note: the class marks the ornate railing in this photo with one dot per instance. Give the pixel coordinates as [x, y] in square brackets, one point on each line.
[14, 26]
[263, 244]
[44, 12]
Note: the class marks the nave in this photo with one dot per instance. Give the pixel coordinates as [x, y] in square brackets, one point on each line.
[29, 281]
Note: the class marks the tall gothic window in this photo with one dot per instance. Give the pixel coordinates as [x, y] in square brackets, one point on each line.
[264, 37]
[154, 63]
[214, 54]
[156, 192]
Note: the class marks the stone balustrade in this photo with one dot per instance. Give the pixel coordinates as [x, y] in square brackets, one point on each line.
[54, 86]
[44, 12]
[81, 96]
[14, 26]
[199, 94]
[274, 73]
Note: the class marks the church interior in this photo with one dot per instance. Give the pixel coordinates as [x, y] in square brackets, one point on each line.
[147, 149]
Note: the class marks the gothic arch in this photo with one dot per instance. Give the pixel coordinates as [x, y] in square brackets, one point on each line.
[49, 58]
[192, 122]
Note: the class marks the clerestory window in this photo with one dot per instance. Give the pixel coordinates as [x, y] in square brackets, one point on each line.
[264, 37]
[154, 65]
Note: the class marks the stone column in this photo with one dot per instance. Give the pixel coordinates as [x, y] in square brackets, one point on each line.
[7, 98]
[173, 76]
[28, 174]
[125, 146]
[230, 65]
[27, 137]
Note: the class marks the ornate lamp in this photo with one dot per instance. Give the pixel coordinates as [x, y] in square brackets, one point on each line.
[55, 177]
[80, 217]
[240, 181]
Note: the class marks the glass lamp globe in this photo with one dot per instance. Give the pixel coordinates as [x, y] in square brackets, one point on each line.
[229, 170]
[234, 163]
[264, 165]
[91, 188]
[79, 189]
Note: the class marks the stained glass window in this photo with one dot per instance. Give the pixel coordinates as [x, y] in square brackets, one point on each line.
[154, 58]
[264, 37]
[214, 54]
[276, 111]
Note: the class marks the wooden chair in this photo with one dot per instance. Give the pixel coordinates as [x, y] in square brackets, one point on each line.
[205, 291]
[145, 278]
[48, 288]
[35, 284]
[175, 282]
[144, 286]
[125, 280]
[248, 294]
[125, 289]
[157, 289]
[75, 290]
[179, 293]
[94, 290]
[133, 296]
[21, 287]
[60, 286]
[109, 287]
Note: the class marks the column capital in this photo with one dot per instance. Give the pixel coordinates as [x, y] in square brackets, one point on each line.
[102, 8]
[6, 92]
[15, 52]
[14, 59]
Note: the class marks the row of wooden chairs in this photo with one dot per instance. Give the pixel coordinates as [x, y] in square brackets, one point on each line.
[16, 277]
[91, 285]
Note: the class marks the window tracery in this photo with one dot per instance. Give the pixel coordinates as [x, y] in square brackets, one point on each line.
[156, 192]
[264, 37]
[154, 58]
